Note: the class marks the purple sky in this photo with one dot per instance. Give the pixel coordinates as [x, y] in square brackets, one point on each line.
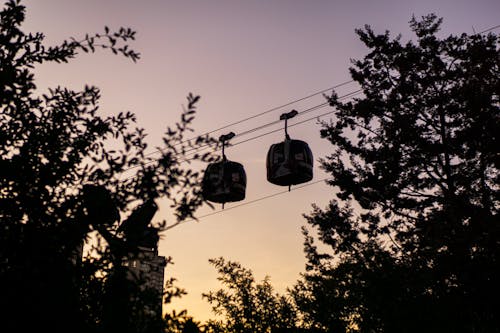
[242, 57]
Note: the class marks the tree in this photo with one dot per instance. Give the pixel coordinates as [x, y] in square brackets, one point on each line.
[414, 232]
[60, 180]
[248, 306]
[182, 323]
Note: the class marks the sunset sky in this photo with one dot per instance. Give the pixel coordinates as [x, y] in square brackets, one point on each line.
[243, 58]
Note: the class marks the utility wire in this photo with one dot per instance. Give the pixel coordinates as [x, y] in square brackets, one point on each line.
[280, 107]
[311, 109]
[205, 146]
[279, 120]
[489, 29]
[280, 129]
[202, 147]
[246, 203]
[247, 140]
[265, 112]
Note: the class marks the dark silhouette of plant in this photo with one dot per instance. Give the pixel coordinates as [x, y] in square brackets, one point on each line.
[248, 306]
[182, 323]
[60, 180]
[414, 232]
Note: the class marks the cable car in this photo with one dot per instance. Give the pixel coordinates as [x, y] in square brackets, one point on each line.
[224, 181]
[289, 162]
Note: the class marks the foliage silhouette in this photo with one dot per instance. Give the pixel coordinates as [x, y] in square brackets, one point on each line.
[60, 180]
[248, 306]
[414, 232]
[182, 323]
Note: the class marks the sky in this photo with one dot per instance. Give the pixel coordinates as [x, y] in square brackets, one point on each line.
[243, 58]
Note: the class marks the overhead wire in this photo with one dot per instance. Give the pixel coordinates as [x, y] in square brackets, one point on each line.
[205, 146]
[295, 124]
[256, 137]
[280, 107]
[265, 112]
[489, 29]
[245, 203]
[281, 129]
[247, 140]
[301, 113]
[249, 118]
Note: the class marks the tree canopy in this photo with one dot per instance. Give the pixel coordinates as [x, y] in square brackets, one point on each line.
[61, 167]
[246, 305]
[414, 231]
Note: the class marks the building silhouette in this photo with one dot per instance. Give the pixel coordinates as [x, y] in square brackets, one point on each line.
[146, 267]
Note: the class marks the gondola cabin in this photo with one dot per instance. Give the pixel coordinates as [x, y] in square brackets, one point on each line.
[289, 163]
[224, 181]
